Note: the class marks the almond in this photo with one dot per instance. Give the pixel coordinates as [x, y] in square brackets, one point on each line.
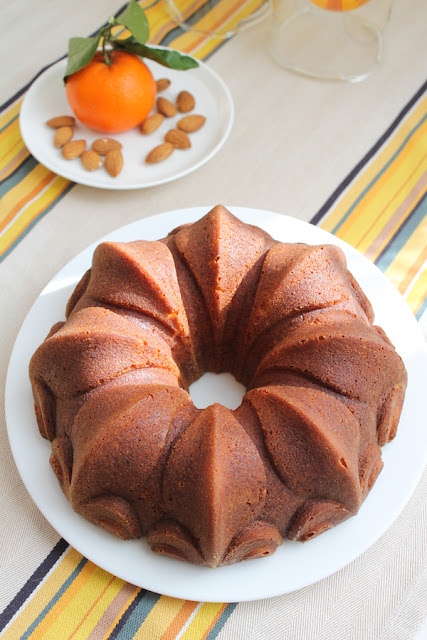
[61, 121]
[185, 101]
[160, 153]
[162, 84]
[91, 160]
[192, 123]
[62, 136]
[152, 123]
[114, 162]
[166, 107]
[104, 145]
[179, 139]
[73, 149]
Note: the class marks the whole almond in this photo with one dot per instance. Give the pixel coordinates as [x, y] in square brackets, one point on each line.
[62, 136]
[192, 123]
[114, 162]
[160, 153]
[61, 121]
[162, 84]
[73, 149]
[152, 123]
[179, 139]
[91, 160]
[185, 101]
[104, 145]
[166, 107]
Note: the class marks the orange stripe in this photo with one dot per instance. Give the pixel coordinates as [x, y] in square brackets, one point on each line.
[214, 621]
[14, 162]
[91, 608]
[51, 618]
[171, 24]
[403, 185]
[10, 149]
[213, 27]
[398, 218]
[411, 273]
[21, 203]
[179, 620]
[112, 614]
[41, 204]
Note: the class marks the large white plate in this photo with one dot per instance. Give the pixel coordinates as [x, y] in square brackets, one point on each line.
[294, 565]
[46, 99]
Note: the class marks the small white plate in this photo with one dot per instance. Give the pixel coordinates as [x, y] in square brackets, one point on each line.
[46, 99]
[294, 565]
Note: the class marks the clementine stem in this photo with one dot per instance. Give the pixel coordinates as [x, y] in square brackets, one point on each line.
[106, 40]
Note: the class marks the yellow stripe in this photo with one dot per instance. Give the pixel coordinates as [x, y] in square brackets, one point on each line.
[389, 191]
[13, 199]
[202, 621]
[160, 23]
[9, 136]
[363, 181]
[87, 607]
[180, 620]
[200, 45]
[159, 618]
[124, 607]
[15, 162]
[204, 49]
[50, 620]
[11, 144]
[43, 596]
[12, 149]
[397, 220]
[32, 211]
[10, 113]
[407, 256]
[339, 5]
[417, 294]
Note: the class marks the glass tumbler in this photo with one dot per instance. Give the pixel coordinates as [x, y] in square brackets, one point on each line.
[216, 18]
[329, 39]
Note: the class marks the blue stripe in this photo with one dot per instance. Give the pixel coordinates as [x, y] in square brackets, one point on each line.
[137, 616]
[55, 599]
[33, 582]
[124, 618]
[27, 165]
[324, 210]
[10, 122]
[34, 222]
[421, 310]
[222, 620]
[409, 227]
[374, 180]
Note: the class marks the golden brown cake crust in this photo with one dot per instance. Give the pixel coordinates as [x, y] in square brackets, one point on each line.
[325, 389]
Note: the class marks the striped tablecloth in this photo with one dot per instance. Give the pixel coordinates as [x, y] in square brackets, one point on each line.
[380, 208]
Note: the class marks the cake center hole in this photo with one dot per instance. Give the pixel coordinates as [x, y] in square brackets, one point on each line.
[222, 388]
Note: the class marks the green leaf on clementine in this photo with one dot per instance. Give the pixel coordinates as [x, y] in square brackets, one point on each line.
[166, 57]
[134, 19]
[82, 50]
[80, 53]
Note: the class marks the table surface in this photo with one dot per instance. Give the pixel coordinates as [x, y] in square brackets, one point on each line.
[299, 147]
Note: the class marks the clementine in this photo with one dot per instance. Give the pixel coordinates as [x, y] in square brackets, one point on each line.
[112, 97]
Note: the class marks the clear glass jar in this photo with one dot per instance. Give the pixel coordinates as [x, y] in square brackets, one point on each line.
[329, 39]
[216, 18]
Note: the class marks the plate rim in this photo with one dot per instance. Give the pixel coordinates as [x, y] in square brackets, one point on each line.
[89, 180]
[211, 594]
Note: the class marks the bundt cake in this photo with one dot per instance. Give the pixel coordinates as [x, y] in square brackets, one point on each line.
[325, 388]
